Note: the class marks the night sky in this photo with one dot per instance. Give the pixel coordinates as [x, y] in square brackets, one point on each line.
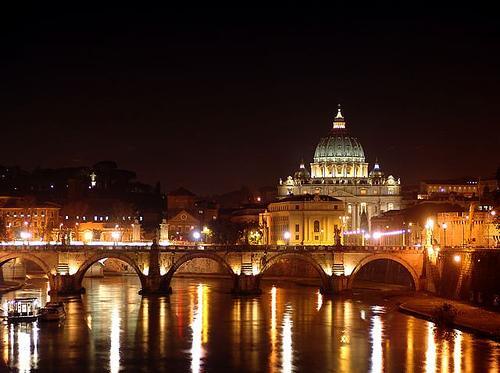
[214, 99]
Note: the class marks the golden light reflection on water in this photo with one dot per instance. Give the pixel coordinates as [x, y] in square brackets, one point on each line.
[114, 349]
[377, 357]
[197, 351]
[457, 352]
[430, 353]
[410, 324]
[345, 338]
[286, 343]
[319, 301]
[272, 356]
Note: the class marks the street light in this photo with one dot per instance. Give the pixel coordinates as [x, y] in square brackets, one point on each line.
[286, 236]
[493, 213]
[25, 235]
[196, 235]
[116, 236]
[445, 226]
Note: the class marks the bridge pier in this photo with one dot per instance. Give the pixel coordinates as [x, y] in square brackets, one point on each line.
[246, 285]
[65, 285]
[155, 285]
[334, 285]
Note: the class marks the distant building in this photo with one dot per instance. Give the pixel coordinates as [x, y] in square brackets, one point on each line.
[26, 219]
[468, 188]
[339, 169]
[186, 214]
[303, 220]
[92, 232]
[472, 229]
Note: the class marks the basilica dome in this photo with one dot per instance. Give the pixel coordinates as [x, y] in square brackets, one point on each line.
[338, 146]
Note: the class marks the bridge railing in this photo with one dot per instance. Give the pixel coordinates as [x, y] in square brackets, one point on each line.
[208, 247]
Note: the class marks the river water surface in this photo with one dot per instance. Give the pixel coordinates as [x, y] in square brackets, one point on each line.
[202, 328]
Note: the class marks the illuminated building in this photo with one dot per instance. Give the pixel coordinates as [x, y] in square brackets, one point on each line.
[479, 229]
[339, 169]
[186, 214]
[27, 219]
[468, 188]
[91, 231]
[303, 220]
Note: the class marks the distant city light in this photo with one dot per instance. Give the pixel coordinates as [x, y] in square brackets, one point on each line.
[457, 258]
[286, 235]
[196, 235]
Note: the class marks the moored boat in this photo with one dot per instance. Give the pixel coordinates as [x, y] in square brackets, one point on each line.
[23, 309]
[53, 311]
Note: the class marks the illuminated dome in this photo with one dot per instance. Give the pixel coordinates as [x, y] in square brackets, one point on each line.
[338, 146]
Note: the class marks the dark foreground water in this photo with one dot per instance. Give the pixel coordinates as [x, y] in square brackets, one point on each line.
[202, 328]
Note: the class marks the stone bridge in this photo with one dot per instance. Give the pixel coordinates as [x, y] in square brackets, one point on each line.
[337, 266]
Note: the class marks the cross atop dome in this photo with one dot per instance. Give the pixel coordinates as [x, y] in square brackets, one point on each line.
[338, 121]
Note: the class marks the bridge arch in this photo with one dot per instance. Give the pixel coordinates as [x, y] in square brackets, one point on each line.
[84, 267]
[202, 254]
[325, 279]
[391, 257]
[46, 268]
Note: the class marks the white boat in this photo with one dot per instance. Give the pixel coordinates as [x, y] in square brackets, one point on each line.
[23, 309]
[53, 311]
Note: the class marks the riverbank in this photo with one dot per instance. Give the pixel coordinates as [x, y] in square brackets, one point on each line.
[469, 318]
[7, 286]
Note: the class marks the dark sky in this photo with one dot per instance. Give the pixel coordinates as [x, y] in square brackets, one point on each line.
[213, 99]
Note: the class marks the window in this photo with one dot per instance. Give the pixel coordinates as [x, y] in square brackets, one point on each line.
[296, 207]
[390, 206]
[297, 228]
[296, 237]
[349, 209]
[316, 226]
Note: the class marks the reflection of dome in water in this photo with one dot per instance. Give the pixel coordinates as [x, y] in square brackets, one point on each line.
[339, 146]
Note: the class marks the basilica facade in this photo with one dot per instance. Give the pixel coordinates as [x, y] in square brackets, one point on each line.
[339, 169]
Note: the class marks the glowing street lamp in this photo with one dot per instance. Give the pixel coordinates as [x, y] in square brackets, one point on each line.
[116, 236]
[286, 236]
[445, 226]
[457, 258]
[25, 235]
[196, 235]
[88, 236]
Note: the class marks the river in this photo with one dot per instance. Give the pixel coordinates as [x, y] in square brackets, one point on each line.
[202, 328]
